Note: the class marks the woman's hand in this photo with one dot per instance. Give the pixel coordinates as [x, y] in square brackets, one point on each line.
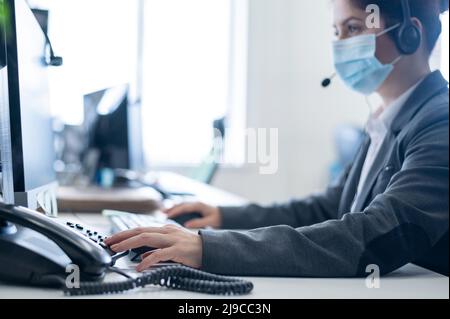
[211, 215]
[173, 244]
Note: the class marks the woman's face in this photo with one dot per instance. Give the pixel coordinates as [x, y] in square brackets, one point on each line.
[350, 21]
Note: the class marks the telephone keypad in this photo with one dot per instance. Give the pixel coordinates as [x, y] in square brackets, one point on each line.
[92, 235]
[96, 238]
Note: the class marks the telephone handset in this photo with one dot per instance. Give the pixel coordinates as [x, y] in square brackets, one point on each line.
[36, 249]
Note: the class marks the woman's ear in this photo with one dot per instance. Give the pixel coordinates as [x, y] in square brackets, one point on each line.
[418, 24]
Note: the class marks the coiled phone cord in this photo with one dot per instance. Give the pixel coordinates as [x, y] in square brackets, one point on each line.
[174, 277]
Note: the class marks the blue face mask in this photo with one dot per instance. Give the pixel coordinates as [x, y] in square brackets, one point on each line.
[357, 65]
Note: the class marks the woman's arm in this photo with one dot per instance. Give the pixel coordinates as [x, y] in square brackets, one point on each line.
[399, 226]
[309, 211]
[312, 210]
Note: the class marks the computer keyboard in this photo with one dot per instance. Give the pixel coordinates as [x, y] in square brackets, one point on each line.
[121, 221]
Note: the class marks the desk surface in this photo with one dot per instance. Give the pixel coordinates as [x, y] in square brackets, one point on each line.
[408, 282]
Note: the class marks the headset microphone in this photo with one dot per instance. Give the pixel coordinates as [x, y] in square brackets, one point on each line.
[52, 59]
[326, 82]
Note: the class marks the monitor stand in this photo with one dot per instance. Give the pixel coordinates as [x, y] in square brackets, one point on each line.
[42, 198]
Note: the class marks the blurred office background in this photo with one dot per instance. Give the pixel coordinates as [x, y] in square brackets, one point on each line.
[259, 63]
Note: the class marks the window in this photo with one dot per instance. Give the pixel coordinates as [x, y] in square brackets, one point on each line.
[445, 46]
[194, 72]
[98, 42]
[439, 58]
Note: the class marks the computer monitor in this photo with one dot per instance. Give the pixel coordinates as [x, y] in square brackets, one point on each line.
[113, 130]
[27, 144]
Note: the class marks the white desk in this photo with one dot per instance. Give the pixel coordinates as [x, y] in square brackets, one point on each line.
[409, 282]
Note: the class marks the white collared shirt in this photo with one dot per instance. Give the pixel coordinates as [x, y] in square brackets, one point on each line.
[377, 127]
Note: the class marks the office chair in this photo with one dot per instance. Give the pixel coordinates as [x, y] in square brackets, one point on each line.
[209, 166]
[347, 141]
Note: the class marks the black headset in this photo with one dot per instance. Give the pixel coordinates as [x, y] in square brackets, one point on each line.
[408, 37]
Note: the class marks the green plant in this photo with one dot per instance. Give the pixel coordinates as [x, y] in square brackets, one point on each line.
[4, 17]
[3, 12]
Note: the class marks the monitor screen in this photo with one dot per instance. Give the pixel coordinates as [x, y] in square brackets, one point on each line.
[109, 137]
[113, 128]
[106, 120]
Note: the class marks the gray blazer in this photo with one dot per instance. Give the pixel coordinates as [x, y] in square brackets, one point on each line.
[402, 214]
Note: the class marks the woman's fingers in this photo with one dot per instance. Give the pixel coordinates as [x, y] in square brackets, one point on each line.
[156, 257]
[145, 255]
[117, 238]
[184, 209]
[154, 240]
[199, 223]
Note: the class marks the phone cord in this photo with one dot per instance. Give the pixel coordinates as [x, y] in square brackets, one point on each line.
[174, 277]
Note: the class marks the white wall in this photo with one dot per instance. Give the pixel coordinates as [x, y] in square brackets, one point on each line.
[289, 55]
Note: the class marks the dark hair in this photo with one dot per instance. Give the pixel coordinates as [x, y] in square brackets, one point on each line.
[427, 11]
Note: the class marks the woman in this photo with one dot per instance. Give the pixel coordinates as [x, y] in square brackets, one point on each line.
[391, 206]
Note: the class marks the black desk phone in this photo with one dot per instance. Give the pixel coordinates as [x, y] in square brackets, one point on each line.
[36, 250]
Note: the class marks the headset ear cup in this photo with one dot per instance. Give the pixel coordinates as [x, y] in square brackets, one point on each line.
[409, 39]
